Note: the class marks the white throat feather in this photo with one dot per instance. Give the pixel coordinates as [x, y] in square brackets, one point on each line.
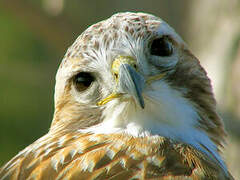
[167, 113]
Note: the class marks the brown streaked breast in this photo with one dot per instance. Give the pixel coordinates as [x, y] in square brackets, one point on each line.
[109, 156]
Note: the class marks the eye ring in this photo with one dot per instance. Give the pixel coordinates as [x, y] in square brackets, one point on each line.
[161, 47]
[82, 81]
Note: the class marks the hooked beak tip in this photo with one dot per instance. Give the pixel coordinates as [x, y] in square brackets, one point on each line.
[131, 82]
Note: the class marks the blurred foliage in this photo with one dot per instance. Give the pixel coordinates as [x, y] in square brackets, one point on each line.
[27, 79]
[34, 37]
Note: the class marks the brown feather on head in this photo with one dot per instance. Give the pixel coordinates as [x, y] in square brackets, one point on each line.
[192, 78]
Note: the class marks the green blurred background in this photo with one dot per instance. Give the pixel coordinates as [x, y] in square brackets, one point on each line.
[34, 35]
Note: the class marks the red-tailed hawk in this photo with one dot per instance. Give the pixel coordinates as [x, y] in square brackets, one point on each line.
[131, 102]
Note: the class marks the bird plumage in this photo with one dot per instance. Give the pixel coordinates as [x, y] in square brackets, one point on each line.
[131, 101]
[109, 156]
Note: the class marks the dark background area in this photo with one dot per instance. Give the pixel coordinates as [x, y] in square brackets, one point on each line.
[34, 36]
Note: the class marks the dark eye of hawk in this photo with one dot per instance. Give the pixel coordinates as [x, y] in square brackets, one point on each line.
[82, 81]
[161, 47]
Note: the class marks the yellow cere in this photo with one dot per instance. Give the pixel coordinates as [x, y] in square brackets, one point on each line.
[122, 60]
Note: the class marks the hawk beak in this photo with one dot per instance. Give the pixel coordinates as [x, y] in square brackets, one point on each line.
[128, 80]
[131, 82]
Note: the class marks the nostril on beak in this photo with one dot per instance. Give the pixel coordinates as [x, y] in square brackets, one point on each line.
[116, 75]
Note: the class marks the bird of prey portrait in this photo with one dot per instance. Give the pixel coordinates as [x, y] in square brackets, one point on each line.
[131, 102]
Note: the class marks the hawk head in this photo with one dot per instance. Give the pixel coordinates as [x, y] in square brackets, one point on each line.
[133, 74]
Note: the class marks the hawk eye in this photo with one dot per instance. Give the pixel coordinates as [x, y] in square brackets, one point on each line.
[82, 81]
[161, 47]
